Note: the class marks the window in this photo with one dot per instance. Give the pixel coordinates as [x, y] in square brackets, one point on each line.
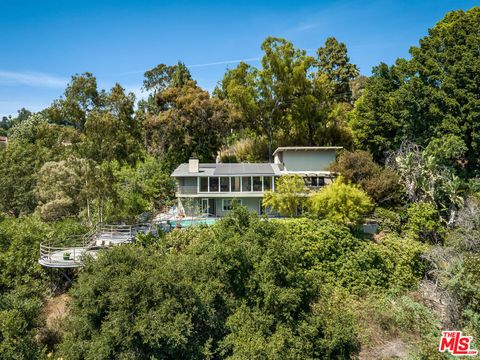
[267, 183]
[246, 183]
[227, 204]
[257, 183]
[314, 181]
[307, 181]
[213, 184]
[224, 184]
[204, 184]
[235, 184]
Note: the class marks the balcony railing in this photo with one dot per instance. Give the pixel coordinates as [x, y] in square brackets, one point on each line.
[193, 190]
[187, 189]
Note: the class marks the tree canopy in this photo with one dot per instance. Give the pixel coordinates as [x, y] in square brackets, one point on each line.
[432, 95]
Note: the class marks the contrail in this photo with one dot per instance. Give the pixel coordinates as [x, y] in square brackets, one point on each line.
[223, 62]
[36, 79]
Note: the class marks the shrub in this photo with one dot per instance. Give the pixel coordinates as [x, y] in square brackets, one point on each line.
[424, 223]
[389, 220]
[340, 202]
[289, 196]
[381, 184]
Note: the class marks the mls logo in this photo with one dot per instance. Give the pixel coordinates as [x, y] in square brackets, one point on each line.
[456, 344]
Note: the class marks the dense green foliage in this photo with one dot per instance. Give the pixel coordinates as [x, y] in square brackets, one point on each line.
[289, 197]
[243, 288]
[340, 202]
[24, 284]
[429, 97]
[312, 286]
[380, 183]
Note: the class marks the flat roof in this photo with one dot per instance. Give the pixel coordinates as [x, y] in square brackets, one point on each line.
[307, 148]
[229, 169]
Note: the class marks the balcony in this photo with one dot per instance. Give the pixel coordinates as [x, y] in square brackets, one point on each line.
[187, 189]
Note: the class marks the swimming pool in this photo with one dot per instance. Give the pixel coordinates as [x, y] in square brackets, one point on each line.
[191, 222]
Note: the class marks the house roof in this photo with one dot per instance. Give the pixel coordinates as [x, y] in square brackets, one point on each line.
[306, 148]
[230, 169]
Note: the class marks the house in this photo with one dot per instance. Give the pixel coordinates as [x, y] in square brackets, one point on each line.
[3, 141]
[210, 188]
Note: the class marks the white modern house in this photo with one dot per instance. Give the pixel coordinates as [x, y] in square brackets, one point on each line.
[210, 188]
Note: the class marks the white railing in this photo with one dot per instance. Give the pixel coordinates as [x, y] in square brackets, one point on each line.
[72, 251]
[65, 253]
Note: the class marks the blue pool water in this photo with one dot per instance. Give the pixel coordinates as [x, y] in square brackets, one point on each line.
[190, 222]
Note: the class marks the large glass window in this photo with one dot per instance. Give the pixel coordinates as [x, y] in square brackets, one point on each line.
[214, 184]
[204, 184]
[224, 184]
[314, 181]
[267, 183]
[235, 183]
[246, 183]
[257, 183]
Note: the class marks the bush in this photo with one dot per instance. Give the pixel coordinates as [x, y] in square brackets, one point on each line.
[389, 220]
[340, 202]
[381, 184]
[288, 199]
[334, 257]
[424, 223]
[233, 290]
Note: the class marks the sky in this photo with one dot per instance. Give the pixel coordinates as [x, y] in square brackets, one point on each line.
[44, 43]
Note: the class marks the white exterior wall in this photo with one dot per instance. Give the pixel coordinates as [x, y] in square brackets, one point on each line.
[251, 203]
[308, 160]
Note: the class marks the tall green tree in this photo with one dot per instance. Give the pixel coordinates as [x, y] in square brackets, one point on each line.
[264, 95]
[429, 96]
[111, 132]
[80, 97]
[191, 123]
[17, 181]
[334, 62]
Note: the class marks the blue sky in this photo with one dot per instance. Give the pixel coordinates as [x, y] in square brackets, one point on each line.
[43, 43]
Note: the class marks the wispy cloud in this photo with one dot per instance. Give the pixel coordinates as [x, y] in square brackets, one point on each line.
[213, 63]
[224, 62]
[34, 79]
[303, 28]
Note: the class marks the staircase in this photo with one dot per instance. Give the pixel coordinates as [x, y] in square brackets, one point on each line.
[71, 252]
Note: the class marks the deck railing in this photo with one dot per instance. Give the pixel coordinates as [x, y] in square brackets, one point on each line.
[187, 189]
[70, 252]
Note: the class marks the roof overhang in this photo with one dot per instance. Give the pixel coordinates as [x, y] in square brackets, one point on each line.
[306, 148]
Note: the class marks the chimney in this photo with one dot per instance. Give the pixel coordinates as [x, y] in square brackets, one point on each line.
[193, 165]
